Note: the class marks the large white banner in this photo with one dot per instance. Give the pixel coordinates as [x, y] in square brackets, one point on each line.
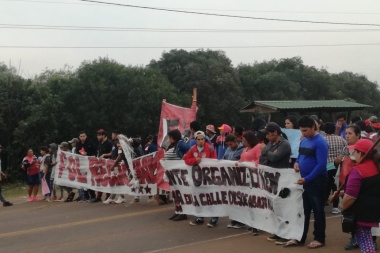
[84, 172]
[261, 197]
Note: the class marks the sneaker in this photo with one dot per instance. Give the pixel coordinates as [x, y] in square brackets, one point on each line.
[197, 221]
[351, 245]
[281, 241]
[249, 229]
[180, 217]
[30, 199]
[150, 199]
[54, 198]
[255, 231]
[60, 198]
[120, 200]
[108, 201]
[36, 198]
[231, 224]
[7, 203]
[239, 225]
[273, 238]
[212, 222]
[336, 211]
[173, 216]
[78, 199]
[136, 199]
[70, 197]
[48, 199]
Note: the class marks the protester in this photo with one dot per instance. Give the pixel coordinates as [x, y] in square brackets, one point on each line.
[233, 153]
[252, 150]
[195, 126]
[291, 122]
[86, 148]
[275, 154]
[3, 176]
[153, 146]
[238, 131]
[194, 156]
[104, 151]
[176, 150]
[341, 125]
[53, 147]
[46, 166]
[211, 133]
[74, 142]
[224, 131]
[335, 144]
[362, 194]
[70, 193]
[148, 141]
[33, 179]
[311, 163]
[120, 157]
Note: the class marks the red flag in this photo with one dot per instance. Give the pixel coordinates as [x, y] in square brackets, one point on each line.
[172, 117]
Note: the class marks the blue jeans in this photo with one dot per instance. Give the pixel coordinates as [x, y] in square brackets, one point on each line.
[314, 197]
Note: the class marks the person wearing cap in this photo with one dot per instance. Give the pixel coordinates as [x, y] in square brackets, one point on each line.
[74, 142]
[311, 164]
[275, 154]
[362, 194]
[195, 126]
[211, 133]
[194, 156]
[222, 147]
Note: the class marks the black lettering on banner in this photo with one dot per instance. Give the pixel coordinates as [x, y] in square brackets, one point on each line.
[170, 176]
[206, 176]
[216, 179]
[233, 175]
[254, 177]
[225, 178]
[224, 197]
[243, 176]
[183, 177]
[188, 199]
[196, 202]
[197, 175]
[209, 201]
[178, 197]
[202, 197]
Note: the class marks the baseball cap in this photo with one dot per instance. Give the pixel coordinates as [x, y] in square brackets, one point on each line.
[362, 145]
[211, 128]
[271, 127]
[373, 119]
[199, 133]
[63, 144]
[101, 132]
[74, 140]
[225, 128]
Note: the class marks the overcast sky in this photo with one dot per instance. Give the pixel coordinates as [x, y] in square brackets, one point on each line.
[363, 59]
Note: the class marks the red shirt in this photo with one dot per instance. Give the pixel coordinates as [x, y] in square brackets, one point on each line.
[32, 169]
[191, 156]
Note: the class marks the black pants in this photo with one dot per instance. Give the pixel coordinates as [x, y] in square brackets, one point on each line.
[314, 199]
[331, 186]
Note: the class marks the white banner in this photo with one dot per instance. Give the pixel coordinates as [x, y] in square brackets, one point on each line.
[260, 197]
[84, 172]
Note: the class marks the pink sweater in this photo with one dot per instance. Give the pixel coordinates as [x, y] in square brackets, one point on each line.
[251, 155]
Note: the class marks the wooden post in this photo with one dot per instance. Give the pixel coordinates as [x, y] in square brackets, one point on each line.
[194, 94]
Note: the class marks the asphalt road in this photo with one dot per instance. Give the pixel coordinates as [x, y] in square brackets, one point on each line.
[139, 227]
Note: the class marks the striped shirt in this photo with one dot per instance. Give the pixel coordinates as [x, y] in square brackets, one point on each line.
[171, 154]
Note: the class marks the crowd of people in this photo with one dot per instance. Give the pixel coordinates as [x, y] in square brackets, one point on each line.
[323, 149]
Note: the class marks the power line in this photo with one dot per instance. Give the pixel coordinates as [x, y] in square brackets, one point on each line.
[230, 16]
[221, 10]
[175, 30]
[188, 47]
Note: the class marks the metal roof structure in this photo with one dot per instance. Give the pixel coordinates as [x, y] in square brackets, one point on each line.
[303, 106]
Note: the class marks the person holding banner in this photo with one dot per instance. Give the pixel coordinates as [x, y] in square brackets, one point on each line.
[176, 150]
[362, 194]
[194, 156]
[311, 163]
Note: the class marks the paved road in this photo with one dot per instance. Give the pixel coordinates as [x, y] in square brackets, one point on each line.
[139, 227]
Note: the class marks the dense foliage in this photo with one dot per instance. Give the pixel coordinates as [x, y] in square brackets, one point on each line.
[57, 104]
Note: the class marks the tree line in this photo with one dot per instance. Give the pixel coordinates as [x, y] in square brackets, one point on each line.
[56, 105]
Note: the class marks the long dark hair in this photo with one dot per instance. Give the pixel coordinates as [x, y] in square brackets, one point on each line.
[251, 138]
